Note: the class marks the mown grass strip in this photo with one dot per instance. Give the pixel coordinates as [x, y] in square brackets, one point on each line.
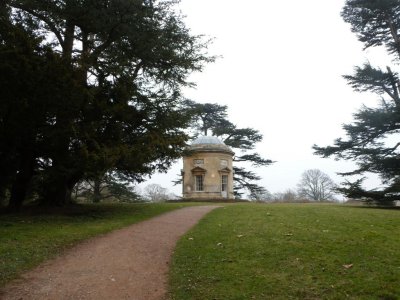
[289, 252]
[30, 238]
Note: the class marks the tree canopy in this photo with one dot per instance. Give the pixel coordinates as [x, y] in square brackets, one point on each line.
[372, 140]
[100, 83]
[212, 118]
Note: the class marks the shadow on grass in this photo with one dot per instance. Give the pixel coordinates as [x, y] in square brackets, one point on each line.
[374, 207]
[72, 210]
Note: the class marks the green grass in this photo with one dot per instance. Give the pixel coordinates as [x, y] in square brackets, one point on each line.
[30, 238]
[290, 252]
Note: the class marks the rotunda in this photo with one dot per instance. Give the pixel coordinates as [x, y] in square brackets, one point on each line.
[207, 170]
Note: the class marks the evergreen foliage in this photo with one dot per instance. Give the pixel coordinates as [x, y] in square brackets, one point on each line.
[372, 140]
[107, 76]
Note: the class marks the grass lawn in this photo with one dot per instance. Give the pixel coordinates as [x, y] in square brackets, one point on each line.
[30, 238]
[290, 251]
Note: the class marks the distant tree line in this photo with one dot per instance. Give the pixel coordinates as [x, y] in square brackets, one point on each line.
[117, 191]
[314, 186]
[90, 90]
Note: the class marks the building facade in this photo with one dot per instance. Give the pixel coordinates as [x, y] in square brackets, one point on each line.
[207, 170]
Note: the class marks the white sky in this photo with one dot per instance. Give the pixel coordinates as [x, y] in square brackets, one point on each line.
[280, 73]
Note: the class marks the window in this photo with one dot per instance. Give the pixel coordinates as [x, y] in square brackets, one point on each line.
[224, 183]
[199, 185]
[224, 163]
[198, 162]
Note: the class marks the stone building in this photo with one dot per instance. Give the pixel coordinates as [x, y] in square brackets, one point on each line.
[207, 170]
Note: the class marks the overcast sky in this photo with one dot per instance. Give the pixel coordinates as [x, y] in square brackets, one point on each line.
[280, 73]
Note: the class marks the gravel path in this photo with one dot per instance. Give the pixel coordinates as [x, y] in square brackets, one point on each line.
[130, 263]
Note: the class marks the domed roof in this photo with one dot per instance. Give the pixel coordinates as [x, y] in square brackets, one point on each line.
[207, 140]
[209, 143]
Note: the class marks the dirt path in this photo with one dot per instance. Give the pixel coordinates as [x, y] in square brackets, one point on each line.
[130, 263]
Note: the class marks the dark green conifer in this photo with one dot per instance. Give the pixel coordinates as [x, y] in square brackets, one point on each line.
[120, 108]
[372, 139]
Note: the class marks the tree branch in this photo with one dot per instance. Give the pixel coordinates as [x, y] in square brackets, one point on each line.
[45, 19]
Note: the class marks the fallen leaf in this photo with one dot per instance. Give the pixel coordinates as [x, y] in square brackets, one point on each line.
[240, 235]
[348, 266]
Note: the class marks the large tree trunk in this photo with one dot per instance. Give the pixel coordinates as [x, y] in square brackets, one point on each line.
[3, 192]
[96, 190]
[3, 197]
[55, 191]
[69, 37]
[20, 186]
[59, 186]
[58, 190]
